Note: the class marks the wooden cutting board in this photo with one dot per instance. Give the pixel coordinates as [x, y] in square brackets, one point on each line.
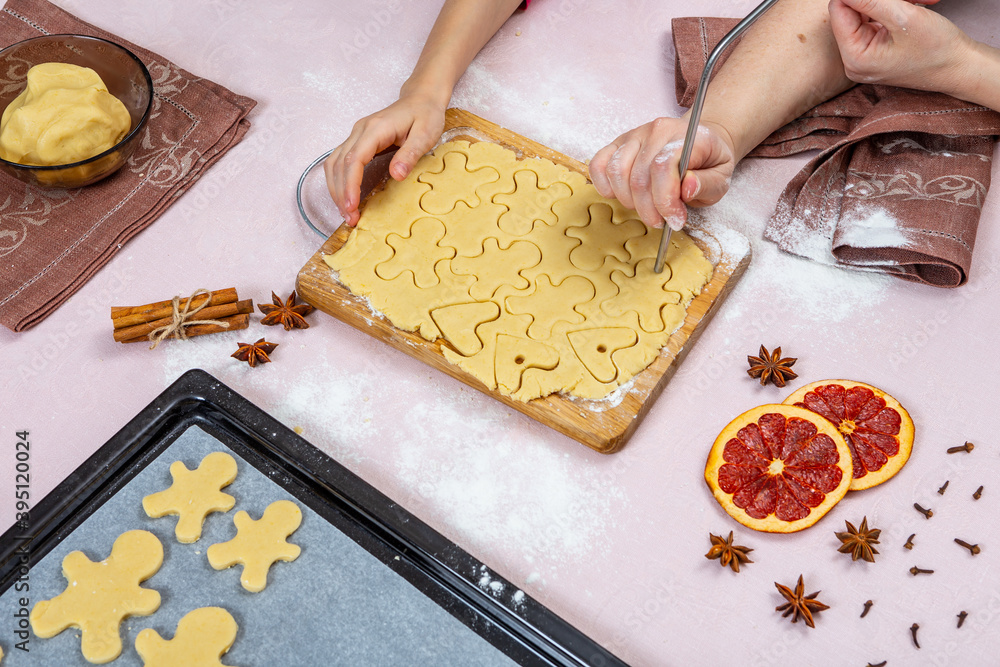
[604, 425]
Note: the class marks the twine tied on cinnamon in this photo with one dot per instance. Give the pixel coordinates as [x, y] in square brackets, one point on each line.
[181, 318]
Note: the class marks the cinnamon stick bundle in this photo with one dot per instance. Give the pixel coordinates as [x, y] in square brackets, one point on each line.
[235, 322]
[207, 313]
[125, 316]
[133, 324]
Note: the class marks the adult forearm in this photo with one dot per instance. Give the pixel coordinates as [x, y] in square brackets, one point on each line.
[462, 28]
[979, 79]
[785, 64]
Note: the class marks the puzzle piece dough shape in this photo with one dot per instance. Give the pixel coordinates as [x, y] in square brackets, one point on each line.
[100, 595]
[259, 544]
[194, 494]
[548, 260]
[203, 636]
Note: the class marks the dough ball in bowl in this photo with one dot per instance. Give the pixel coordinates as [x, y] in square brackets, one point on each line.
[89, 95]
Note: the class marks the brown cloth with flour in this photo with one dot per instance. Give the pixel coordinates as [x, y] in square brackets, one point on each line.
[53, 241]
[898, 186]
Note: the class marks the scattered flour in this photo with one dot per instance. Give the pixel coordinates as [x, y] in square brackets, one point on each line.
[878, 230]
[815, 291]
[450, 455]
[559, 125]
[492, 487]
[313, 402]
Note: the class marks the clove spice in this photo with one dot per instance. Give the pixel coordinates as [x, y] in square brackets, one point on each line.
[926, 512]
[978, 494]
[967, 447]
[973, 548]
[961, 617]
[909, 541]
[943, 487]
[917, 570]
[868, 605]
[913, 632]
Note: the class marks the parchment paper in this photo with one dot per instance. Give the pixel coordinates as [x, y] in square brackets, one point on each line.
[334, 605]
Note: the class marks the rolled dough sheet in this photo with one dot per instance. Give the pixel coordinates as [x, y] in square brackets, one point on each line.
[536, 282]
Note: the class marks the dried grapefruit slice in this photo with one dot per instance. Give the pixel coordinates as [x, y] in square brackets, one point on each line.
[877, 428]
[779, 468]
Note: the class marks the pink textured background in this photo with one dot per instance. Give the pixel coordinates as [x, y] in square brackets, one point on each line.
[613, 544]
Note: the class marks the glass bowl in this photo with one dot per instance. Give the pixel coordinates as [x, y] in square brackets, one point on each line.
[122, 72]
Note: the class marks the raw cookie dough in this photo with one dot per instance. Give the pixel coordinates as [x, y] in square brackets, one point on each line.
[64, 115]
[194, 494]
[203, 636]
[259, 544]
[100, 595]
[536, 282]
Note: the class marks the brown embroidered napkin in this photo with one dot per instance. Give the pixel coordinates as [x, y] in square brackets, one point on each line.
[52, 242]
[899, 184]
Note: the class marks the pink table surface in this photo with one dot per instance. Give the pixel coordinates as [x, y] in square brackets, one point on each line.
[614, 544]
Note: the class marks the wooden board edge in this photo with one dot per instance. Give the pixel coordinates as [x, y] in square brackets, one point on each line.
[670, 363]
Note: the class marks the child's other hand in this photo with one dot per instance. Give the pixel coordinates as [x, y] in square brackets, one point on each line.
[898, 43]
[413, 123]
[640, 169]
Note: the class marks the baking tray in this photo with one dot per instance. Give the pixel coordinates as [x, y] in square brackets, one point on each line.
[604, 425]
[374, 584]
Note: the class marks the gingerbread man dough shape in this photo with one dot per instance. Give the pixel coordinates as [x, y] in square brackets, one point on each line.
[100, 595]
[203, 636]
[259, 544]
[194, 494]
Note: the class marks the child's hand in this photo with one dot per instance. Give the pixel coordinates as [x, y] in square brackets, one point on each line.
[898, 43]
[413, 123]
[639, 168]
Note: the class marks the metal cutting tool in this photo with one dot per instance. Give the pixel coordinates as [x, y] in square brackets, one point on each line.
[699, 102]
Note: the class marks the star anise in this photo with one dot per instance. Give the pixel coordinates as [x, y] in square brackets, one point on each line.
[286, 314]
[798, 604]
[858, 541]
[771, 367]
[728, 553]
[255, 353]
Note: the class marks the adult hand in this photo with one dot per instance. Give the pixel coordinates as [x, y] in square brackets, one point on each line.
[898, 43]
[414, 123]
[640, 169]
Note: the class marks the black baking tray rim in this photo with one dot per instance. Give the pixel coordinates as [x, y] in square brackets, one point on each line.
[530, 634]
